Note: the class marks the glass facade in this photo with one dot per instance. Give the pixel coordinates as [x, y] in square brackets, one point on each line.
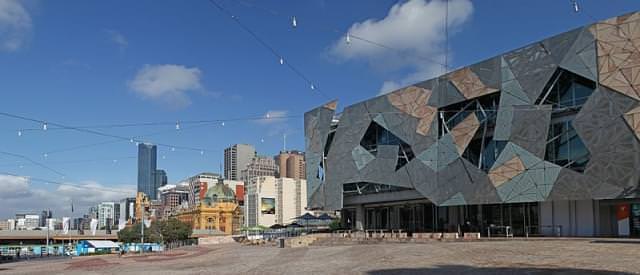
[412, 217]
[566, 95]
[483, 150]
[378, 135]
[147, 157]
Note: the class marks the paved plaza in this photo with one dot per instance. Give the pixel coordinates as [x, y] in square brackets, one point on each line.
[480, 257]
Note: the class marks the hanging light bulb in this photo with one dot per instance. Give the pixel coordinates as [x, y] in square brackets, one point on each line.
[281, 61]
[268, 115]
[19, 133]
[294, 22]
[576, 8]
[262, 140]
[222, 123]
[313, 87]
[131, 140]
[173, 149]
[177, 125]
[201, 152]
[348, 38]
[46, 155]
[44, 126]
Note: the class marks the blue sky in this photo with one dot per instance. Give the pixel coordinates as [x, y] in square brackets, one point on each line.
[112, 62]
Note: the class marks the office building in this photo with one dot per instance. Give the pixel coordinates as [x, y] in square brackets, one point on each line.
[127, 210]
[238, 188]
[173, 196]
[44, 215]
[259, 166]
[198, 186]
[543, 139]
[236, 159]
[270, 200]
[4, 224]
[108, 214]
[147, 161]
[291, 164]
[160, 178]
[27, 221]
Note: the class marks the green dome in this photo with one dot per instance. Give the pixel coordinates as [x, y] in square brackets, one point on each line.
[219, 193]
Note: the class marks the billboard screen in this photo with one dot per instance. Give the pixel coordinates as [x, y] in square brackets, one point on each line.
[268, 206]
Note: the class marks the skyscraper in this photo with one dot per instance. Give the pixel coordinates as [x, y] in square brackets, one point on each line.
[290, 164]
[259, 166]
[160, 178]
[236, 158]
[147, 157]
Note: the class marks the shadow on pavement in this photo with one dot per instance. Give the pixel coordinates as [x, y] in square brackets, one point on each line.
[617, 241]
[460, 269]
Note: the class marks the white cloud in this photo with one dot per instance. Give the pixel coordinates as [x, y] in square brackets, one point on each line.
[276, 123]
[15, 25]
[22, 194]
[274, 117]
[118, 38]
[415, 28]
[169, 83]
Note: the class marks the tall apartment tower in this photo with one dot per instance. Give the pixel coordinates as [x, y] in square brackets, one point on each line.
[290, 164]
[147, 158]
[236, 158]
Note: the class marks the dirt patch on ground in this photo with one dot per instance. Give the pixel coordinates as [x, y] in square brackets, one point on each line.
[90, 264]
[172, 255]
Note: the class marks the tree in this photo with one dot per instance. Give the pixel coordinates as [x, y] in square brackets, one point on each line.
[159, 232]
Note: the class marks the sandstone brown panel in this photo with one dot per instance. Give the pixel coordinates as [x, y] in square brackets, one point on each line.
[507, 171]
[618, 44]
[463, 132]
[413, 101]
[469, 84]
[633, 119]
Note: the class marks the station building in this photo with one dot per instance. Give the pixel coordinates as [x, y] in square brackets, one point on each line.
[543, 140]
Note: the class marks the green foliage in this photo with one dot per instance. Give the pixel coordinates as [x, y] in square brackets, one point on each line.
[159, 232]
[335, 225]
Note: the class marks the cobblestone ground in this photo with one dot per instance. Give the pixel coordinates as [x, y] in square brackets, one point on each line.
[484, 257]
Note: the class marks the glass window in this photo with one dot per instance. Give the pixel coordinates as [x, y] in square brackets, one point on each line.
[378, 135]
[565, 148]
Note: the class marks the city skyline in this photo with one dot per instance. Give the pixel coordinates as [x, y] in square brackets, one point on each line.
[103, 76]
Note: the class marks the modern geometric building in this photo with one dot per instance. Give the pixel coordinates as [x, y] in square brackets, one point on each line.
[147, 160]
[236, 158]
[544, 139]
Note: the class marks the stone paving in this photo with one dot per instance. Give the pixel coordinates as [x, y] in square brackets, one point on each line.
[579, 256]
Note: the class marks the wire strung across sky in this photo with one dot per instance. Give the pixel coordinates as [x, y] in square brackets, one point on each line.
[348, 36]
[313, 86]
[139, 139]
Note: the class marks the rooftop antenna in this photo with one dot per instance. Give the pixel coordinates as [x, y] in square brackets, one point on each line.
[284, 142]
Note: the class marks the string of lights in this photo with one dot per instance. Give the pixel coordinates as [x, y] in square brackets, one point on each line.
[33, 162]
[46, 125]
[313, 86]
[114, 160]
[346, 34]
